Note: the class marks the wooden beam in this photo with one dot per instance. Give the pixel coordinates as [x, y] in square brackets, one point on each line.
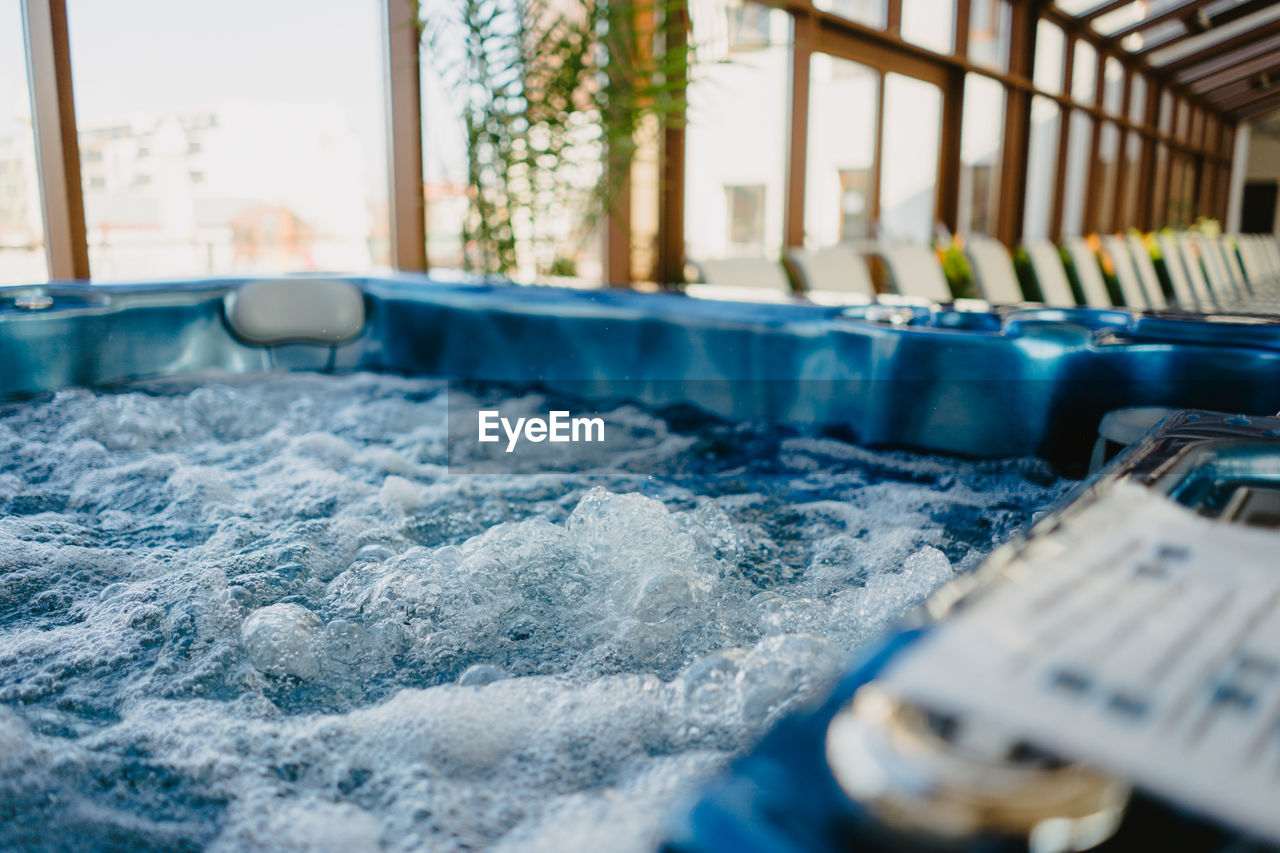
[1226, 16]
[1074, 26]
[947, 199]
[797, 142]
[408, 216]
[617, 237]
[618, 226]
[1225, 48]
[669, 267]
[1093, 190]
[1221, 85]
[883, 52]
[877, 154]
[1100, 10]
[1213, 67]
[53, 116]
[1122, 161]
[1017, 126]
[1064, 140]
[963, 14]
[1259, 108]
[1147, 161]
[1245, 91]
[1179, 11]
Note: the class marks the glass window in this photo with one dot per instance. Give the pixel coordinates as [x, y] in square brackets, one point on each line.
[1207, 188]
[1166, 112]
[1181, 212]
[1155, 36]
[287, 135]
[1113, 86]
[909, 171]
[22, 256]
[1118, 19]
[645, 172]
[1215, 35]
[990, 22]
[1160, 192]
[509, 189]
[1174, 207]
[1182, 121]
[1138, 99]
[444, 168]
[1211, 133]
[1042, 160]
[1050, 58]
[745, 215]
[748, 25]
[930, 24]
[841, 151]
[728, 102]
[1084, 73]
[1189, 190]
[1077, 180]
[1105, 182]
[870, 12]
[982, 134]
[1129, 205]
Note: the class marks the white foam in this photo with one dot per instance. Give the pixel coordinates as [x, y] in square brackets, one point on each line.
[267, 604]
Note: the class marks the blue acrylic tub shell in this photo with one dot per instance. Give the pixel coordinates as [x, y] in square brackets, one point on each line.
[1007, 383]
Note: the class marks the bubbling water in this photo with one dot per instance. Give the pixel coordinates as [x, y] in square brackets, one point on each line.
[261, 612]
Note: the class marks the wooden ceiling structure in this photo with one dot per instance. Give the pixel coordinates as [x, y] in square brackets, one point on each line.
[1224, 54]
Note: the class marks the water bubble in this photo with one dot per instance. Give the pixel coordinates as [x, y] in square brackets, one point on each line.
[112, 590]
[284, 639]
[662, 597]
[480, 674]
[346, 641]
[374, 553]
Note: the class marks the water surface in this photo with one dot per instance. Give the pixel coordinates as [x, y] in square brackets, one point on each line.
[262, 612]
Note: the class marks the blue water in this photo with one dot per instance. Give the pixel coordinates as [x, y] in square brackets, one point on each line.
[262, 612]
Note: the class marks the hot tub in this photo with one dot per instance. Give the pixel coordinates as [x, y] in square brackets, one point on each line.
[257, 589]
[1013, 383]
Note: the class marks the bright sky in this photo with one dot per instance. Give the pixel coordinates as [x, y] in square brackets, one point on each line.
[143, 56]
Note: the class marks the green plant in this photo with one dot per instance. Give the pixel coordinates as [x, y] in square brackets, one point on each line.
[551, 95]
[1025, 272]
[955, 266]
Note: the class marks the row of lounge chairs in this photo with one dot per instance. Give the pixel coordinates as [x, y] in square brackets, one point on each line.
[1178, 271]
